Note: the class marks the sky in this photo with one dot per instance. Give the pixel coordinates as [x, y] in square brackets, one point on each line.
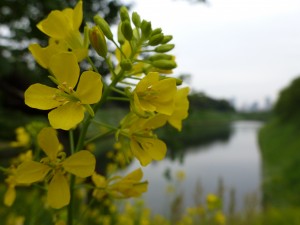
[241, 50]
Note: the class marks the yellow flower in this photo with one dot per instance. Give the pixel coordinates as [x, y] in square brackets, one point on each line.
[63, 26]
[23, 138]
[122, 187]
[68, 105]
[153, 94]
[10, 194]
[144, 145]
[43, 55]
[54, 167]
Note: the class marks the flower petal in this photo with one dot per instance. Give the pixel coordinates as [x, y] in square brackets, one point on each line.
[58, 191]
[77, 16]
[65, 68]
[55, 25]
[40, 96]
[66, 116]
[81, 164]
[48, 141]
[139, 153]
[10, 196]
[89, 89]
[30, 171]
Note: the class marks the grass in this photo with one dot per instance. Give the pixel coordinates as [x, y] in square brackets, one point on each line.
[280, 149]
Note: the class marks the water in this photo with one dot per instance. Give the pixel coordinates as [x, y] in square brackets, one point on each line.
[236, 162]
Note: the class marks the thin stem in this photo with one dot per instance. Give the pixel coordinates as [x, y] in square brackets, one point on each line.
[92, 64]
[72, 183]
[98, 136]
[118, 91]
[117, 98]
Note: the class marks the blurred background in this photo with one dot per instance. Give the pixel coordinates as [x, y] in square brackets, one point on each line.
[240, 58]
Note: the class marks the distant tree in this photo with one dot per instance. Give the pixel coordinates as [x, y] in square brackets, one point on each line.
[201, 101]
[287, 106]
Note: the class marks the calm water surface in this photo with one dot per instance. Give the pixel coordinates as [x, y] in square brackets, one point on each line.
[237, 162]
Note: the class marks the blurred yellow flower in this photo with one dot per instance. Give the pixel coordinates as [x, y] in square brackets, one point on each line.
[68, 105]
[119, 187]
[144, 145]
[22, 139]
[53, 168]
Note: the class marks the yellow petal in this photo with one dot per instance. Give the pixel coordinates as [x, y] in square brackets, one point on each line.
[135, 175]
[66, 116]
[65, 68]
[99, 180]
[139, 153]
[77, 15]
[58, 191]
[55, 25]
[10, 196]
[149, 148]
[48, 141]
[40, 96]
[89, 89]
[147, 81]
[81, 164]
[29, 172]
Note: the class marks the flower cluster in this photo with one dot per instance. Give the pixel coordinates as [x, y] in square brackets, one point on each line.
[139, 72]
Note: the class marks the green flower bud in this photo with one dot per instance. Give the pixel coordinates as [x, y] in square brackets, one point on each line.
[136, 19]
[124, 14]
[156, 31]
[86, 41]
[126, 64]
[156, 39]
[103, 25]
[127, 30]
[98, 41]
[160, 56]
[121, 38]
[146, 28]
[166, 39]
[164, 48]
[164, 64]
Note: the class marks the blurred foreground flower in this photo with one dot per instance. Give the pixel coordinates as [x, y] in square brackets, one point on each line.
[54, 168]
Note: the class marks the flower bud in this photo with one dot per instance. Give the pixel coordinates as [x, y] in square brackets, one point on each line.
[121, 38]
[103, 25]
[136, 19]
[98, 41]
[160, 56]
[156, 39]
[146, 28]
[126, 64]
[166, 39]
[156, 31]
[124, 14]
[164, 48]
[164, 64]
[126, 30]
[86, 41]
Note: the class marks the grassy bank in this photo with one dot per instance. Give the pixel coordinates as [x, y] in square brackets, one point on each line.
[280, 149]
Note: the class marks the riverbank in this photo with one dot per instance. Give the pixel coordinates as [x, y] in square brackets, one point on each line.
[280, 149]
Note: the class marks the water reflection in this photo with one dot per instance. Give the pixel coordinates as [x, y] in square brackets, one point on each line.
[236, 161]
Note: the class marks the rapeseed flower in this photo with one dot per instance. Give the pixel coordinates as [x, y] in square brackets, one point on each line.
[120, 187]
[63, 27]
[144, 145]
[54, 168]
[68, 106]
[153, 94]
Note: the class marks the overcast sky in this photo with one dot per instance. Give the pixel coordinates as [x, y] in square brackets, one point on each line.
[245, 50]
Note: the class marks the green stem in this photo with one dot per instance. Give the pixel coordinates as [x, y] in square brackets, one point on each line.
[118, 99]
[92, 64]
[72, 183]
